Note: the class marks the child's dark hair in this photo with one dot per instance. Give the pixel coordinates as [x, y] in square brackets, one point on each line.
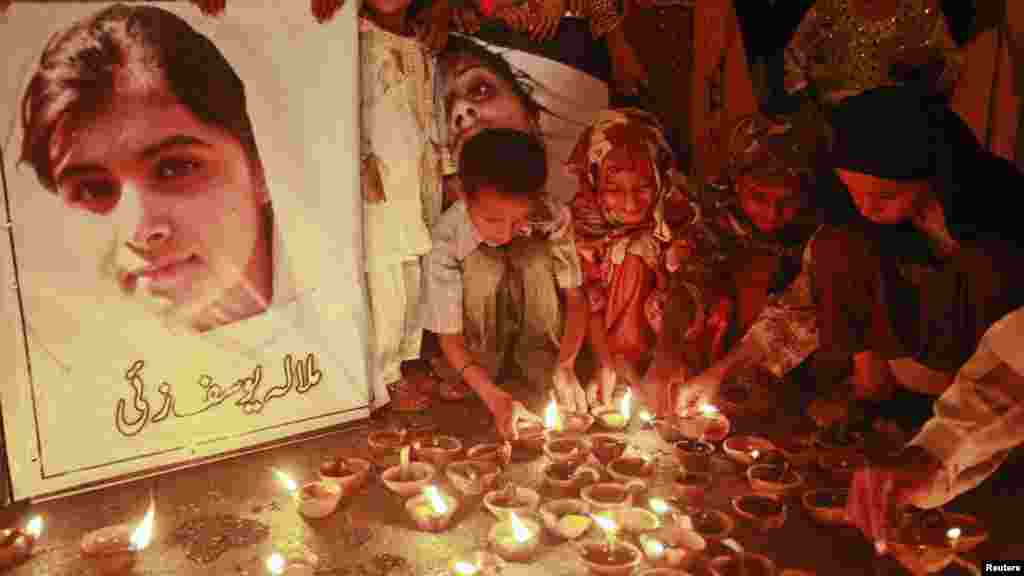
[522, 86]
[511, 161]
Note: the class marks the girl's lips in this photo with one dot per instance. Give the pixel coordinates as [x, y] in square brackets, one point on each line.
[167, 277]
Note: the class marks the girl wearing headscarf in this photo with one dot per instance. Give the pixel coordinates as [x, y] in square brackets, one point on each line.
[626, 176]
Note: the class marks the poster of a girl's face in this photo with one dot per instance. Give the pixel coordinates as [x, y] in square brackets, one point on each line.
[136, 120]
[484, 84]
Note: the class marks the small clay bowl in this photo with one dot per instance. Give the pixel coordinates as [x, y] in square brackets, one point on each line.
[529, 444]
[682, 547]
[622, 561]
[472, 477]
[421, 475]
[109, 550]
[773, 478]
[524, 504]
[567, 478]
[921, 559]
[498, 453]
[635, 472]
[577, 423]
[567, 449]
[553, 511]
[318, 499]
[972, 531]
[349, 474]
[752, 565]
[607, 447]
[502, 541]
[692, 487]
[826, 506]
[418, 507]
[633, 521]
[841, 465]
[439, 450]
[610, 418]
[699, 426]
[694, 455]
[607, 496]
[764, 511]
[740, 448]
[712, 524]
[385, 446]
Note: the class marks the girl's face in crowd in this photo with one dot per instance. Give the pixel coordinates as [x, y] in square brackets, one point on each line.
[884, 201]
[769, 205]
[187, 207]
[627, 186]
[475, 98]
[498, 218]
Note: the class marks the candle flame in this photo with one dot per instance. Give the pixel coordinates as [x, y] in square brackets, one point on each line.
[708, 409]
[625, 405]
[953, 533]
[754, 454]
[552, 419]
[465, 568]
[34, 527]
[646, 416]
[275, 563]
[144, 533]
[436, 501]
[287, 481]
[654, 548]
[659, 506]
[519, 530]
[606, 524]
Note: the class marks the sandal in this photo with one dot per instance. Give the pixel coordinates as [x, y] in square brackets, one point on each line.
[407, 396]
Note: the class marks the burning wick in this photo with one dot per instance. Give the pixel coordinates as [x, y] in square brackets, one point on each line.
[552, 419]
[708, 410]
[754, 454]
[113, 550]
[646, 417]
[289, 484]
[437, 503]
[299, 563]
[465, 569]
[275, 564]
[314, 499]
[142, 535]
[519, 530]
[653, 548]
[609, 527]
[954, 535]
[659, 506]
[626, 404]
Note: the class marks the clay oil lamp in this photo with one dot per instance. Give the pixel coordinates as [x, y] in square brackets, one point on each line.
[571, 424]
[567, 449]
[706, 423]
[432, 511]
[481, 563]
[694, 455]
[500, 453]
[114, 550]
[566, 478]
[530, 442]
[745, 450]
[314, 499]
[692, 487]
[742, 564]
[636, 472]
[437, 449]
[408, 479]
[923, 542]
[519, 499]
[616, 419]
[515, 539]
[633, 521]
[965, 532]
[607, 496]
[612, 557]
[385, 444]
[828, 507]
[299, 562]
[16, 543]
[472, 477]
[676, 547]
[774, 478]
[764, 511]
[566, 518]
[841, 465]
[607, 447]
[711, 524]
[349, 474]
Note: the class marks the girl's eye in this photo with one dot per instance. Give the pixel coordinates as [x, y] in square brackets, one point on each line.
[171, 168]
[480, 91]
[98, 195]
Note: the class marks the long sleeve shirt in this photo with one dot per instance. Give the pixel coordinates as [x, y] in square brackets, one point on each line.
[980, 417]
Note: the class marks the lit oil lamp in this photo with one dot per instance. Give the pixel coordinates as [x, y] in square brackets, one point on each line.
[613, 558]
[16, 544]
[113, 550]
[314, 499]
[433, 510]
[514, 539]
[716, 426]
[618, 419]
[482, 563]
[665, 511]
[300, 562]
[463, 568]
[552, 418]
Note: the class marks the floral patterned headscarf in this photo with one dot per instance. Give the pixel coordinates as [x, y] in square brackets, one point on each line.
[614, 128]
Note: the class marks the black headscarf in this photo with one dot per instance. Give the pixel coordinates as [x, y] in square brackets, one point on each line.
[899, 133]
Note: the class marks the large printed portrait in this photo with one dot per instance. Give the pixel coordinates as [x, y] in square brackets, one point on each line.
[184, 266]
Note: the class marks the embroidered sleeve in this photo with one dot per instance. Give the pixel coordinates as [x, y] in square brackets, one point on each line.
[953, 57]
[603, 16]
[800, 52]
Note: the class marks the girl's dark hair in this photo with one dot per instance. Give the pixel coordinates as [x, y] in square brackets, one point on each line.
[460, 46]
[511, 161]
[79, 70]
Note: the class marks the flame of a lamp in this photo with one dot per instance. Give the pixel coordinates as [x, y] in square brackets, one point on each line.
[659, 506]
[465, 568]
[953, 533]
[708, 409]
[34, 527]
[646, 416]
[144, 533]
[287, 481]
[552, 419]
[754, 454]
[625, 405]
[654, 548]
[436, 501]
[519, 530]
[606, 524]
[275, 563]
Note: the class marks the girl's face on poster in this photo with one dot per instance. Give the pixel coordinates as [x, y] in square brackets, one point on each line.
[475, 98]
[627, 186]
[187, 208]
[770, 205]
[881, 200]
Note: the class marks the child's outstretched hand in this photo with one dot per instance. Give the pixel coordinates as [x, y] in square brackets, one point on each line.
[324, 10]
[433, 31]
